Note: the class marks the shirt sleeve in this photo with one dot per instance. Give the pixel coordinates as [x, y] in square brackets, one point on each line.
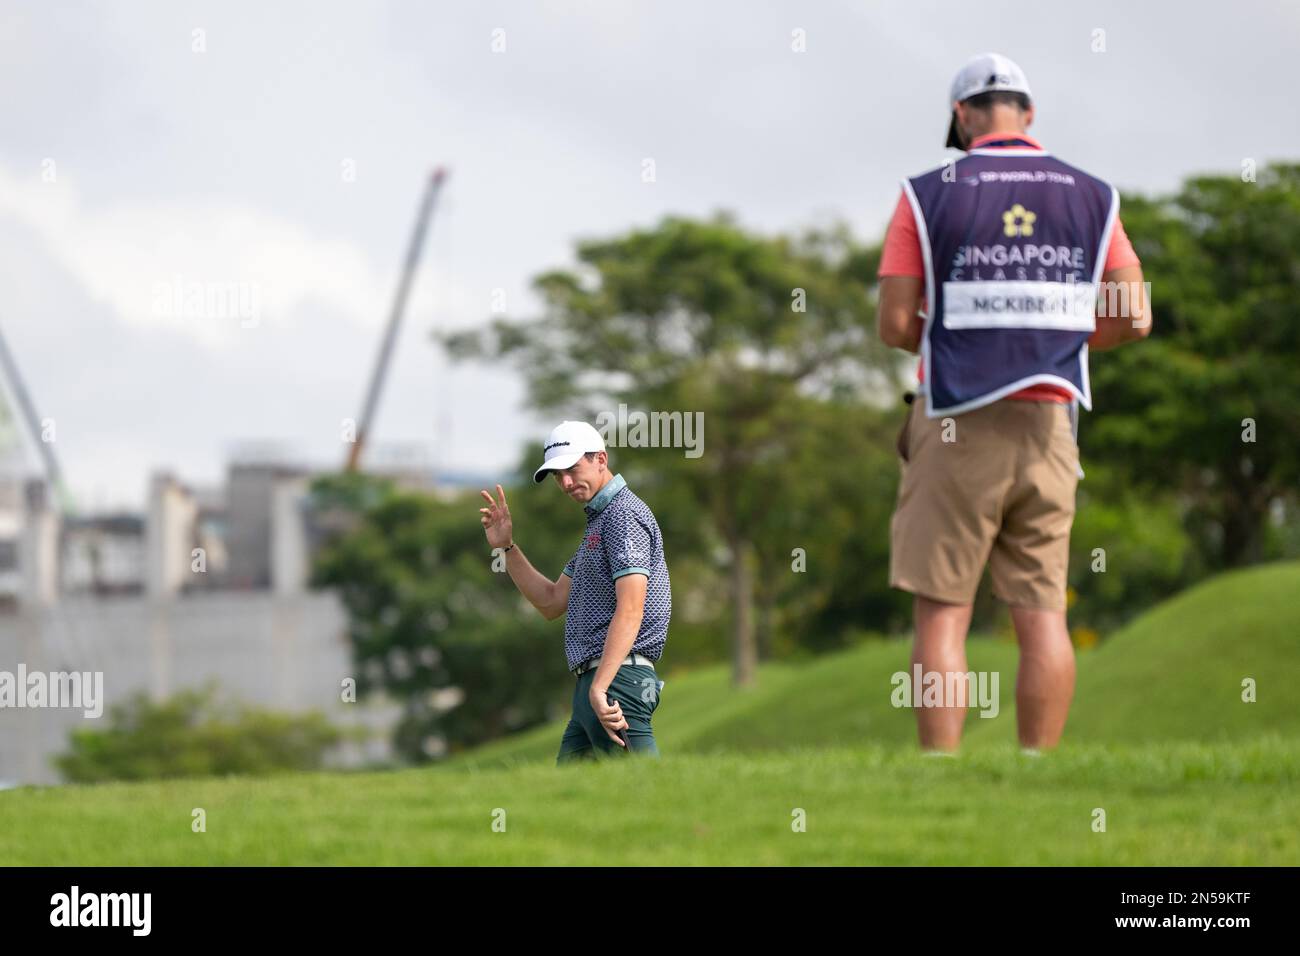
[1120, 254]
[568, 568]
[628, 544]
[902, 253]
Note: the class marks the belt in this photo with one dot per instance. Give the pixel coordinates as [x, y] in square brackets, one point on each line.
[630, 659]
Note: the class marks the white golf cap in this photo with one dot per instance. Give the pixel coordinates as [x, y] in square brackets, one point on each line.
[984, 74]
[568, 442]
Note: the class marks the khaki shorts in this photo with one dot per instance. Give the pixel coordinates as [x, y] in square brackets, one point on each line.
[1001, 492]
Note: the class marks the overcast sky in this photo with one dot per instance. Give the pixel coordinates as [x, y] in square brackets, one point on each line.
[284, 147]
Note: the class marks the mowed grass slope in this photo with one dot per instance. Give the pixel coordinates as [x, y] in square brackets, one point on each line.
[1175, 673]
[840, 699]
[1169, 804]
[1159, 738]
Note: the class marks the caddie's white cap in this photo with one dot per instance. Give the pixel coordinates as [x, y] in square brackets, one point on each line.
[569, 441]
[984, 74]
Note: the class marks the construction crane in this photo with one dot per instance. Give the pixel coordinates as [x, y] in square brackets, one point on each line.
[431, 190]
[25, 413]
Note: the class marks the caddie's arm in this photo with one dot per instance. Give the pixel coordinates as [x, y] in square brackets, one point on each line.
[898, 309]
[1123, 312]
[551, 598]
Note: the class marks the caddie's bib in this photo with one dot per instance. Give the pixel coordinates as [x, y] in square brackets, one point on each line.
[1014, 242]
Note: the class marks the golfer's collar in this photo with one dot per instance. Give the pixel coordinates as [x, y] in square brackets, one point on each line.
[1020, 142]
[602, 497]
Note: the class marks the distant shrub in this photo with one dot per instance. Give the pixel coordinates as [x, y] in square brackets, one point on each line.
[193, 735]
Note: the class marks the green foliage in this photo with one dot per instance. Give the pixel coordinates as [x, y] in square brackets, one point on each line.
[1127, 550]
[692, 308]
[838, 480]
[1222, 259]
[192, 734]
[767, 338]
[432, 624]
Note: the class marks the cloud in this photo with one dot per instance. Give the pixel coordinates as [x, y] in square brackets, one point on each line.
[203, 267]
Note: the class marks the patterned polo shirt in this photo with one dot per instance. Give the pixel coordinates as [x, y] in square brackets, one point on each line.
[622, 537]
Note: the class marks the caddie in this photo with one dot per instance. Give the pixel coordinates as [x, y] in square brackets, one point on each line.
[992, 269]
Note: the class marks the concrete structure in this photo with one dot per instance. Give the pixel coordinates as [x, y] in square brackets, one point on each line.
[103, 555]
[204, 585]
[38, 555]
[170, 537]
[129, 597]
[290, 551]
[251, 490]
[290, 654]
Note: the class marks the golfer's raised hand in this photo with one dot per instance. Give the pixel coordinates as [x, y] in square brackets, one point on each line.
[496, 520]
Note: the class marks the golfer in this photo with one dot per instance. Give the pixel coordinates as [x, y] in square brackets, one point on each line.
[614, 594]
[991, 270]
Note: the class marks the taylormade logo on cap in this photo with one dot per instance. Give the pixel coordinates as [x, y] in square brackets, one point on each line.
[568, 442]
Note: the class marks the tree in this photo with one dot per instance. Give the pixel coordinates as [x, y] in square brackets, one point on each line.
[837, 514]
[432, 622]
[703, 317]
[1209, 405]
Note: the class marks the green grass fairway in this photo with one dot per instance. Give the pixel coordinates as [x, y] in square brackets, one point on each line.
[1159, 738]
[1220, 804]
